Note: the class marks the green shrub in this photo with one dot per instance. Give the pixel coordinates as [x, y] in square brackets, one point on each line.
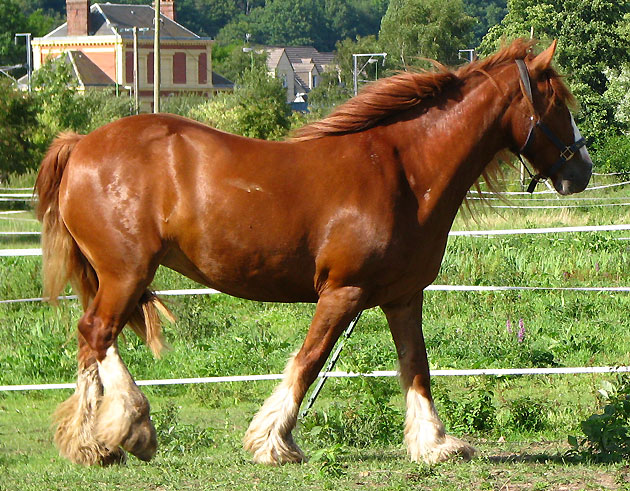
[257, 108]
[18, 121]
[329, 460]
[469, 413]
[613, 155]
[607, 434]
[181, 104]
[367, 422]
[527, 414]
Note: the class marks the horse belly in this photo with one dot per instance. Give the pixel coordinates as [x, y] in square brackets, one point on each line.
[252, 275]
[247, 246]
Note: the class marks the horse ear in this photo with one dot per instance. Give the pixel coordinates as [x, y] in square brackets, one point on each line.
[543, 61]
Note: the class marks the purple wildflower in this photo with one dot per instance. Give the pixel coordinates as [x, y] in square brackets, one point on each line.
[521, 330]
[597, 267]
[508, 326]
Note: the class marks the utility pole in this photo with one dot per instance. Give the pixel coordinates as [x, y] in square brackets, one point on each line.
[356, 71]
[136, 64]
[156, 60]
[29, 55]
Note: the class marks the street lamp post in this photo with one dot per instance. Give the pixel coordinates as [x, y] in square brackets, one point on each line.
[249, 49]
[469, 52]
[156, 60]
[371, 58]
[29, 56]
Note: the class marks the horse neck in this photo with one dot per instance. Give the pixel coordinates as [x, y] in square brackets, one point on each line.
[444, 151]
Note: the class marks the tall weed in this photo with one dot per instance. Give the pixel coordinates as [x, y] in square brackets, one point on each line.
[607, 434]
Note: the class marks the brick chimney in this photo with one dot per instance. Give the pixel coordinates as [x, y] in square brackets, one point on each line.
[78, 12]
[167, 8]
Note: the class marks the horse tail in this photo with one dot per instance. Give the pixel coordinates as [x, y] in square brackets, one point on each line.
[62, 260]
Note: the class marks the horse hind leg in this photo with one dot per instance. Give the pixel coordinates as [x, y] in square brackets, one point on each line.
[76, 417]
[107, 411]
[123, 417]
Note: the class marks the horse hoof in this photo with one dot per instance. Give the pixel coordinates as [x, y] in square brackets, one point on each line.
[142, 440]
[273, 449]
[270, 456]
[116, 457]
[448, 448]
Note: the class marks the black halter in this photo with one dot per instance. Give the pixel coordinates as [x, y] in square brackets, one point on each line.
[566, 151]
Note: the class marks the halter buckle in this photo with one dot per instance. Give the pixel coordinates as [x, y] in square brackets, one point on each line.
[567, 154]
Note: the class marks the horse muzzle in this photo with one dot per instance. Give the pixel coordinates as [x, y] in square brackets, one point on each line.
[574, 176]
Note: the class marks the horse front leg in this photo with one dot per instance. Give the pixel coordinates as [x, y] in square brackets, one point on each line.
[425, 436]
[269, 437]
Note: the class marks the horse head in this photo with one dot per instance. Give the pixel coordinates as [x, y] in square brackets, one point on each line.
[543, 129]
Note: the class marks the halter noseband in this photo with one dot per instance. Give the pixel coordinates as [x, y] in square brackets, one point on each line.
[566, 151]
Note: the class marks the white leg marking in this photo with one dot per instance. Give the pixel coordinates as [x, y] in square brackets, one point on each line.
[76, 421]
[123, 416]
[424, 433]
[268, 437]
[114, 373]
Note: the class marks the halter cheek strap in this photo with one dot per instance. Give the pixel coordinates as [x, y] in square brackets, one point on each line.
[566, 151]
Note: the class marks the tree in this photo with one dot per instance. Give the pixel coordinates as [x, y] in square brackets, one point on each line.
[257, 108]
[318, 23]
[435, 29]
[329, 93]
[51, 7]
[17, 122]
[488, 13]
[206, 17]
[292, 22]
[343, 59]
[337, 86]
[55, 88]
[12, 20]
[232, 62]
[61, 107]
[593, 38]
[349, 19]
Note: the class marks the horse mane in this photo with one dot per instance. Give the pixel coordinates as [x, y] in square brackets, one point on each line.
[388, 96]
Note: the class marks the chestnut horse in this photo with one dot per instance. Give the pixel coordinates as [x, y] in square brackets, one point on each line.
[351, 213]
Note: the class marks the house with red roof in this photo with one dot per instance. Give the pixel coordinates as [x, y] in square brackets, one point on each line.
[98, 42]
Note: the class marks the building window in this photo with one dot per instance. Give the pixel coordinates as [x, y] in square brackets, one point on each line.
[285, 83]
[203, 69]
[129, 67]
[179, 68]
[150, 68]
[315, 80]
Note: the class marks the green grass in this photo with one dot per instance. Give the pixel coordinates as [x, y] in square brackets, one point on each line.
[521, 424]
[208, 455]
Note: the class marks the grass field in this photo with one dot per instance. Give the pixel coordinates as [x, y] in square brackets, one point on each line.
[520, 425]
